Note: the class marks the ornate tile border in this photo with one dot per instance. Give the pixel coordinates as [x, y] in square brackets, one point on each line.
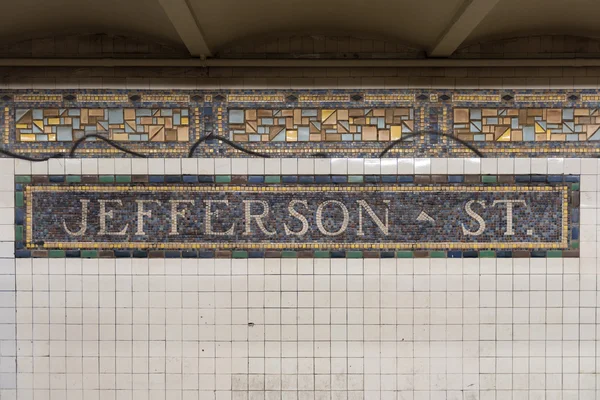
[418, 201]
[299, 123]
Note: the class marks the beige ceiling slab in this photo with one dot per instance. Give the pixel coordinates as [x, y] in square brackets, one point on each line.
[221, 25]
[25, 19]
[514, 18]
[416, 23]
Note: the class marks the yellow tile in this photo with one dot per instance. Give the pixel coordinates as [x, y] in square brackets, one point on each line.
[396, 132]
[53, 121]
[27, 138]
[326, 114]
[505, 137]
[52, 137]
[22, 126]
[539, 128]
[291, 136]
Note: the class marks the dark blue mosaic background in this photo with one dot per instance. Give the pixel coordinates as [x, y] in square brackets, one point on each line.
[539, 221]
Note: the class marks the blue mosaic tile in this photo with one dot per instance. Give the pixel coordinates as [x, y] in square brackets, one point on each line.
[306, 179]
[206, 179]
[256, 179]
[190, 179]
[173, 178]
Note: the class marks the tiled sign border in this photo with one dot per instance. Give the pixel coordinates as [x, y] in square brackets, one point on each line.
[110, 183]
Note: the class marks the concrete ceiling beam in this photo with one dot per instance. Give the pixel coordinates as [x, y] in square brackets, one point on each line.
[295, 63]
[184, 21]
[468, 17]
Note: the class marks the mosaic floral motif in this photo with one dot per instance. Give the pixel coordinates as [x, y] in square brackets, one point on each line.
[119, 124]
[527, 124]
[316, 124]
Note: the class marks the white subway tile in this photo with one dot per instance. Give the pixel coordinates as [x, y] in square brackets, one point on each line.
[439, 166]
[472, 166]
[339, 166]
[56, 166]
[522, 166]
[222, 166]
[206, 166]
[556, 166]
[322, 166]
[239, 166]
[189, 166]
[372, 166]
[306, 166]
[106, 166]
[289, 166]
[356, 166]
[489, 166]
[506, 166]
[572, 166]
[123, 166]
[89, 166]
[389, 166]
[273, 166]
[456, 166]
[422, 166]
[256, 166]
[539, 166]
[22, 167]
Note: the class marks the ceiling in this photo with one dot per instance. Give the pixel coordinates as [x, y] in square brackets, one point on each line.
[209, 28]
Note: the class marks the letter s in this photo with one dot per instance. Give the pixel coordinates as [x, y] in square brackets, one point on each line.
[476, 217]
[299, 216]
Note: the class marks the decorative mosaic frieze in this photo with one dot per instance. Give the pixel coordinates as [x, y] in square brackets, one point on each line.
[119, 124]
[320, 125]
[527, 124]
[304, 123]
[394, 215]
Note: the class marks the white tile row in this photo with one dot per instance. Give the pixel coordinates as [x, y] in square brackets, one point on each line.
[302, 166]
[302, 266]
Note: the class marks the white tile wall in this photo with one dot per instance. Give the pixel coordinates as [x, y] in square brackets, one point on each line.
[8, 296]
[216, 329]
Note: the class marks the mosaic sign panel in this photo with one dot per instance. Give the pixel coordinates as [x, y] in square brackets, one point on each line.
[297, 217]
[304, 122]
[527, 124]
[320, 125]
[119, 124]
